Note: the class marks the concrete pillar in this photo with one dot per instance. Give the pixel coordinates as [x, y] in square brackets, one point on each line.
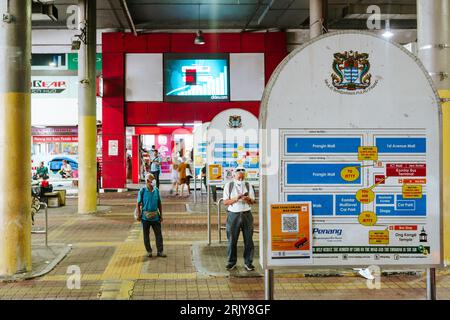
[317, 17]
[87, 119]
[433, 42]
[15, 137]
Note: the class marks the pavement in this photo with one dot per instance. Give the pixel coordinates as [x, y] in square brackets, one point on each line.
[107, 260]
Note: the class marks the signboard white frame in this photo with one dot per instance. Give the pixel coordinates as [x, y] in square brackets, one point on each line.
[219, 131]
[302, 101]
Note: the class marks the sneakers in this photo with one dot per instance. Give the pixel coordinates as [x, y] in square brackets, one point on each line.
[249, 267]
[149, 254]
[161, 255]
[231, 266]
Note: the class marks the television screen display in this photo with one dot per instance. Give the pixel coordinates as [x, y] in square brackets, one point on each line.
[196, 77]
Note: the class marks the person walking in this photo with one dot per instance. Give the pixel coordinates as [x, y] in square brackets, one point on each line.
[238, 195]
[189, 175]
[182, 175]
[174, 178]
[155, 166]
[150, 215]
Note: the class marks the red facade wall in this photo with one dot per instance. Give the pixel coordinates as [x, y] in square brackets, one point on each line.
[117, 114]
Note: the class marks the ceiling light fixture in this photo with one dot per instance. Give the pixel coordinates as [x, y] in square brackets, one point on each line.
[169, 124]
[199, 40]
[387, 34]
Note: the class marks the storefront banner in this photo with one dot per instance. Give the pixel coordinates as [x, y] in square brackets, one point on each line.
[54, 139]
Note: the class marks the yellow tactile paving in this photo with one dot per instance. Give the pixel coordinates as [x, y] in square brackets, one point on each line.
[126, 263]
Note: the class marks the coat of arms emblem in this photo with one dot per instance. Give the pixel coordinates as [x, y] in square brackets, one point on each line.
[351, 71]
[235, 122]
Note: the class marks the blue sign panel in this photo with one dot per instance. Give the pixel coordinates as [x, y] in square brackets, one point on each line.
[322, 145]
[322, 204]
[384, 199]
[225, 145]
[318, 173]
[347, 205]
[401, 145]
[404, 207]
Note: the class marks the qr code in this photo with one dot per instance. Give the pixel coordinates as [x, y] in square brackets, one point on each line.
[289, 223]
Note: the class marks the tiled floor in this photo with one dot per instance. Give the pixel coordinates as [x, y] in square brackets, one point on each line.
[108, 250]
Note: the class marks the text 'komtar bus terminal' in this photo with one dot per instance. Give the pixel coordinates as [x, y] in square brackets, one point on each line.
[224, 150]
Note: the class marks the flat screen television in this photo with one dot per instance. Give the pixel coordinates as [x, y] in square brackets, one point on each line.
[196, 77]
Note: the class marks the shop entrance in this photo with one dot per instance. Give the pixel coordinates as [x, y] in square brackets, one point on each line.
[172, 144]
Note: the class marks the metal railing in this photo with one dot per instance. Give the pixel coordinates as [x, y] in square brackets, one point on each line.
[45, 231]
[219, 221]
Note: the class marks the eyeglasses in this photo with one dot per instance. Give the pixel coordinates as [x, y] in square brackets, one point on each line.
[240, 170]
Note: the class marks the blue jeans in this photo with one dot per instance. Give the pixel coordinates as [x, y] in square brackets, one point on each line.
[237, 221]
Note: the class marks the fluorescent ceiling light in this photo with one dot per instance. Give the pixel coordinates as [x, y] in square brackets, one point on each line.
[387, 34]
[169, 124]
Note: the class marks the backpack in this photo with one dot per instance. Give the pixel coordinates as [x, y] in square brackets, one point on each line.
[231, 186]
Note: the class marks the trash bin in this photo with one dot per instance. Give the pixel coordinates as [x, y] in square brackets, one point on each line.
[62, 197]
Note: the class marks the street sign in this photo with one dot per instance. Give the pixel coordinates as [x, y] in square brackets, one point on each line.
[232, 139]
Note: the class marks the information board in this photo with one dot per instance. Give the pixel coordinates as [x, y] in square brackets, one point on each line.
[233, 141]
[200, 144]
[351, 123]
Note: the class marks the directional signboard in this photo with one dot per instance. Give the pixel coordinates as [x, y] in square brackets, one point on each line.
[351, 124]
[233, 141]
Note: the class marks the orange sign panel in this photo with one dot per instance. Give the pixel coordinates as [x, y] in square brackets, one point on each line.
[291, 230]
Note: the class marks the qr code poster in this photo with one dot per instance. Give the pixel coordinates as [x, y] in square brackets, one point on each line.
[215, 173]
[291, 231]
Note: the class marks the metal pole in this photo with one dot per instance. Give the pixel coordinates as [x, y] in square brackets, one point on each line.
[195, 186]
[433, 42]
[87, 119]
[219, 222]
[316, 17]
[208, 212]
[268, 284]
[431, 284]
[15, 137]
[46, 223]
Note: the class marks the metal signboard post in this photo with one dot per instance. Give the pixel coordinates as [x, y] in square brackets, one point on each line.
[232, 140]
[199, 138]
[351, 123]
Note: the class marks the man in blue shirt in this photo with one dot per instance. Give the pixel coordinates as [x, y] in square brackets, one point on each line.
[151, 214]
[155, 166]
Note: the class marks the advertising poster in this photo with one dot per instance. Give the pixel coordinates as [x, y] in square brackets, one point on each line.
[291, 231]
[215, 173]
[113, 147]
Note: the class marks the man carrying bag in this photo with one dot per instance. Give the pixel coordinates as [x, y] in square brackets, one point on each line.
[150, 215]
[238, 195]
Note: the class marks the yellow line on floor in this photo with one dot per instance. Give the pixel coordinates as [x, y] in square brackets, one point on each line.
[62, 228]
[126, 263]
